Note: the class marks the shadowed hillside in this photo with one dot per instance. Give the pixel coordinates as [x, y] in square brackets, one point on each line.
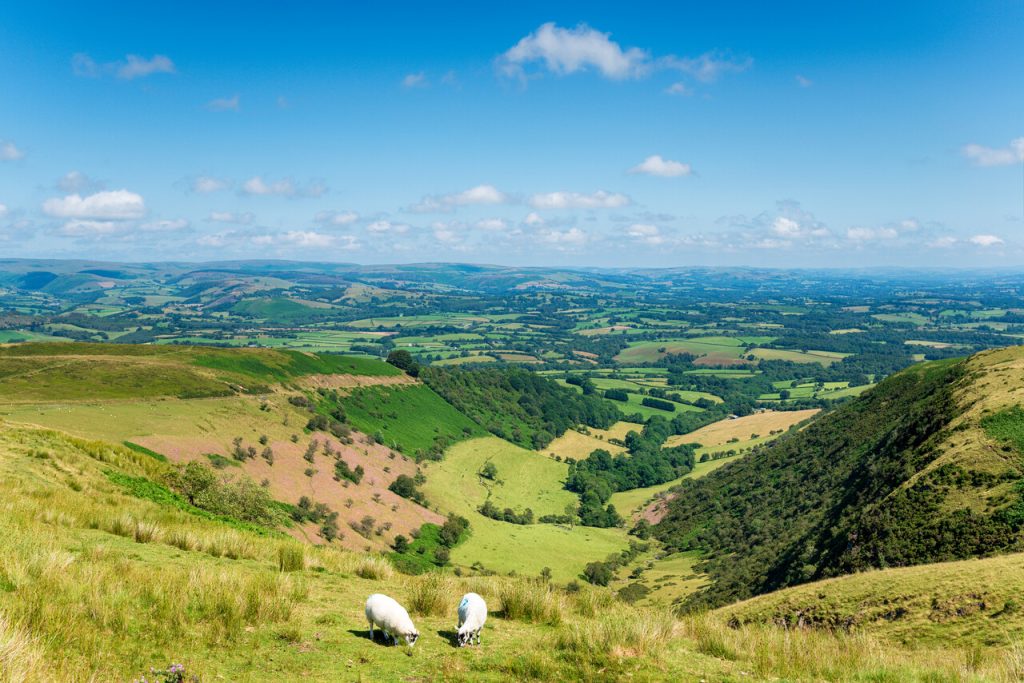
[908, 473]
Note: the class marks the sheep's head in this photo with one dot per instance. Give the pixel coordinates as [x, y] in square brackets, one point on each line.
[412, 637]
[463, 637]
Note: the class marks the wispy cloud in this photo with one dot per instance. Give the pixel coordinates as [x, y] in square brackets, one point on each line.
[986, 240]
[415, 80]
[9, 151]
[479, 195]
[980, 155]
[336, 218]
[576, 200]
[205, 184]
[286, 187]
[803, 81]
[233, 103]
[237, 218]
[130, 68]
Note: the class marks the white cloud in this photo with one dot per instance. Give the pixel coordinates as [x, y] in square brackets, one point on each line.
[645, 233]
[136, 67]
[803, 81]
[533, 219]
[382, 226]
[216, 240]
[988, 156]
[571, 238]
[9, 152]
[491, 224]
[416, 80]
[76, 181]
[207, 184]
[943, 242]
[862, 235]
[243, 218]
[175, 225]
[679, 89]
[657, 166]
[576, 200]
[4, 210]
[307, 239]
[131, 67]
[111, 205]
[280, 188]
[90, 228]
[83, 65]
[336, 218]
[708, 67]
[985, 240]
[566, 51]
[479, 195]
[233, 103]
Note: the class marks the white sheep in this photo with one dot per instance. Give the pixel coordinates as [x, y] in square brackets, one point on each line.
[392, 619]
[472, 615]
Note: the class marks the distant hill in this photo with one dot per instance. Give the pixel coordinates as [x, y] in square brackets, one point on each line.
[925, 467]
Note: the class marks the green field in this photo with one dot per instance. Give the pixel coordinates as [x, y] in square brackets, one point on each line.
[823, 357]
[409, 418]
[529, 480]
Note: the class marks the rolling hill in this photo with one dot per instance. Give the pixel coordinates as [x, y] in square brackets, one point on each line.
[925, 467]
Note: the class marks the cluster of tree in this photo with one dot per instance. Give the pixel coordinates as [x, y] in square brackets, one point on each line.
[517, 404]
[307, 510]
[659, 404]
[241, 498]
[343, 471]
[489, 509]
[404, 361]
[602, 573]
[407, 487]
[616, 395]
[841, 495]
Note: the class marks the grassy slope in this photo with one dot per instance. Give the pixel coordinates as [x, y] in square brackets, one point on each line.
[530, 480]
[80, 602]
[975, 601]
[77, 371]
[411, 417]
[937, 487]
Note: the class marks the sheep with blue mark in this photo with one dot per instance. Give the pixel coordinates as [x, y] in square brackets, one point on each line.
[472, 615]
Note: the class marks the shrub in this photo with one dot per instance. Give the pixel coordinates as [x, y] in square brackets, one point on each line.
[291, 558]
[530, 601]
[432, 595]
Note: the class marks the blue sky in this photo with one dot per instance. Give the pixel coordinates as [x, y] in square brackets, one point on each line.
[611, 134]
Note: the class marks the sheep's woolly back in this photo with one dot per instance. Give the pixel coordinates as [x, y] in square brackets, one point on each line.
[386, 613]
[472, 613]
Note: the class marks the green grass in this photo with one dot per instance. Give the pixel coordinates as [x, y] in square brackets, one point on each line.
[411, 417]
[1006, 426]
[527, 480]
[822, 357]
[145, 451]
[78, 371]
[82, 597]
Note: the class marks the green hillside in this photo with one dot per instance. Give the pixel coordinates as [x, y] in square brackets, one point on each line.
[73, 371]
[903, 475]
[100, 584]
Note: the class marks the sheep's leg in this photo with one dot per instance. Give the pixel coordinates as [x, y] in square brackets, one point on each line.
[371, 630]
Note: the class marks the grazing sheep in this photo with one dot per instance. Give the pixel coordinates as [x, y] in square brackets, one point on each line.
[392, 619]
[472, 615]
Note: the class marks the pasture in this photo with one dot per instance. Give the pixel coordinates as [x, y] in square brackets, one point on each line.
[744, 428]
[528, 480]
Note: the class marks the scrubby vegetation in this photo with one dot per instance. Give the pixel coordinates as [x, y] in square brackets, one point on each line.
[837, 497]
[518, 405]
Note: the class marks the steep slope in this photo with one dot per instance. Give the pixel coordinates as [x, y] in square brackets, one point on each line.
[903, 475]
[971, 601]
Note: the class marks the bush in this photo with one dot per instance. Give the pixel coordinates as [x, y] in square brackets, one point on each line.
[405, 486]
[291, 558]
[598, 573]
